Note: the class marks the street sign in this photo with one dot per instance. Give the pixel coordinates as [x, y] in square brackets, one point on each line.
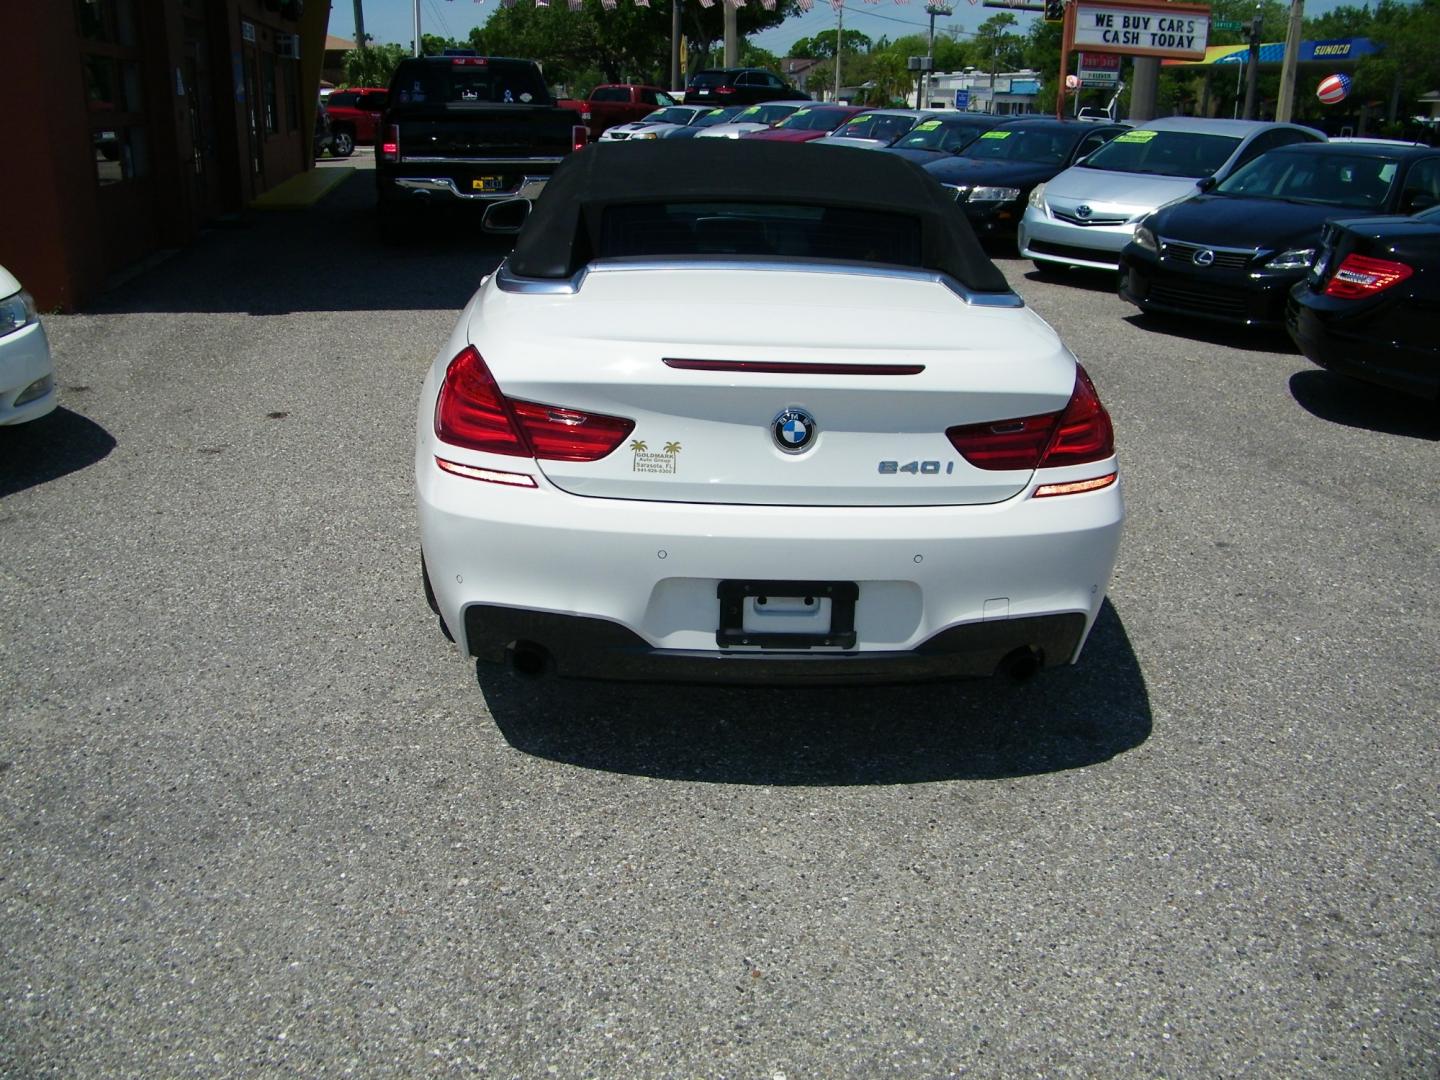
[1014, 5]
[1227, 24]
[1099, 69]
[962, 99]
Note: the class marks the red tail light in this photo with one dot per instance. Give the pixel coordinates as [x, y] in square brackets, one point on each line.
[473, 412]
[1360, 275]
[724, 90]
[390, 145]
[1079, 434]
[579, 137]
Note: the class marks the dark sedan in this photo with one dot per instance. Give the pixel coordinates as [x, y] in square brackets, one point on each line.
[1367, 309]
[993, 176]
[1233, 252]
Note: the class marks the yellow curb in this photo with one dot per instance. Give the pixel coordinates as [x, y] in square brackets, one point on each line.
[302, 190]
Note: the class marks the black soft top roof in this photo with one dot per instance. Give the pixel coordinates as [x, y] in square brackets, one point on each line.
[565, 225]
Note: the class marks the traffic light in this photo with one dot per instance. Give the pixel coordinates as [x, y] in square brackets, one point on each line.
[1054, 10]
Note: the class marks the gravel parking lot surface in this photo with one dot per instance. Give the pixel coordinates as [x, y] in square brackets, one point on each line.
[257, 817]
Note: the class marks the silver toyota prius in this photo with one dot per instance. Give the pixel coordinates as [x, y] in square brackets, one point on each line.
[1086, 214]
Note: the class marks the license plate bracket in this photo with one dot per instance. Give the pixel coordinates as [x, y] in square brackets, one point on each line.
[737, 596]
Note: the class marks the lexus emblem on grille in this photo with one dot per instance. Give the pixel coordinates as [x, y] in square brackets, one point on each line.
[1083, 210]
[1204, 257]
[794, 431]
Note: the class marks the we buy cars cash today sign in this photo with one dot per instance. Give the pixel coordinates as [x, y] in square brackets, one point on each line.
[1180, 31]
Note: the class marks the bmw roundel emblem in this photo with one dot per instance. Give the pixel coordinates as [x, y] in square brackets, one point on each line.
[794, 431]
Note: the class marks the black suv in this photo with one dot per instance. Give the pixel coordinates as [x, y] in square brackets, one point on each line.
[739, 86]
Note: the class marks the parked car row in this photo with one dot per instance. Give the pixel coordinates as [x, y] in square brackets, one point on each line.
[1262, 225]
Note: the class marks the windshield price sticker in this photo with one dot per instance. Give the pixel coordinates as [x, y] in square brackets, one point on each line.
[1137, 136]
[928, 125]
[751, 111]
[996, 135]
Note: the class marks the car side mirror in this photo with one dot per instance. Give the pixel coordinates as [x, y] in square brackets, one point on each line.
[1207, 183]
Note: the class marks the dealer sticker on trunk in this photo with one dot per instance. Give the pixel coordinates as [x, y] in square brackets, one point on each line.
[667, 460]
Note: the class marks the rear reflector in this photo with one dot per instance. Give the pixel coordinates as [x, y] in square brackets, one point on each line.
[471, 411]
[579, 136]
[1360, 275]
[390, 144]
[492, 476]
[1079, 434]
[767, 367]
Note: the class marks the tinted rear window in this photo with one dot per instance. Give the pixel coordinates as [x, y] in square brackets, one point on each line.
[467, 82]
[708, 80]
[340, 100]
[751, 229]
[1164, 153]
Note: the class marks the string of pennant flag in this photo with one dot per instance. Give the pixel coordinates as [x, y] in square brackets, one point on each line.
[768, 5]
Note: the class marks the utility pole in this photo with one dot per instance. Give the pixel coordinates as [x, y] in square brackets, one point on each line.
[732, 34]
[418, 50]
[1285, 106]
[839, 44]
[1252, 76]
[1145, 82]
[932, 10]
[675, 35]
[359, 25]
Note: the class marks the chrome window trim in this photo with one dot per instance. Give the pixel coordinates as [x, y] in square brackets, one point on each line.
[508, 281]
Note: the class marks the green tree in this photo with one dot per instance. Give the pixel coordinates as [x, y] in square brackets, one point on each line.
[822, 45]
[435, 45]
[373, 66]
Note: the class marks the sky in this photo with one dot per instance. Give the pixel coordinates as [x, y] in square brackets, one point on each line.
[391, 20]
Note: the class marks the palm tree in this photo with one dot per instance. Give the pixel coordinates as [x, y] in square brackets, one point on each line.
[637, 446]
[672, 448]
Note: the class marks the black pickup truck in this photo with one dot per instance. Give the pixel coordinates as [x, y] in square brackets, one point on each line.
[467, 131]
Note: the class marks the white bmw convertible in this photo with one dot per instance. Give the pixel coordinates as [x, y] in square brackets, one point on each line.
[760, 413]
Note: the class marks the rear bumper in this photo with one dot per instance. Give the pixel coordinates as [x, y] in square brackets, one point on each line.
[1342, 337]
[445, 189]
[629, 589]
[577, 646]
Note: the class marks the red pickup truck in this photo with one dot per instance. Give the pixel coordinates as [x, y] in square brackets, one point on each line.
[617, 103]
[355, 115]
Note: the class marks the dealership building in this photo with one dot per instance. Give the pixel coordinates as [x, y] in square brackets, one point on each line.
[134, 123]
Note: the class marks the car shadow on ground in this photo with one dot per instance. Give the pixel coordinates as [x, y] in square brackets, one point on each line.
[1359, 405]
[1065, 718]
[48, 448]
[328, 257]
[1243, 338]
